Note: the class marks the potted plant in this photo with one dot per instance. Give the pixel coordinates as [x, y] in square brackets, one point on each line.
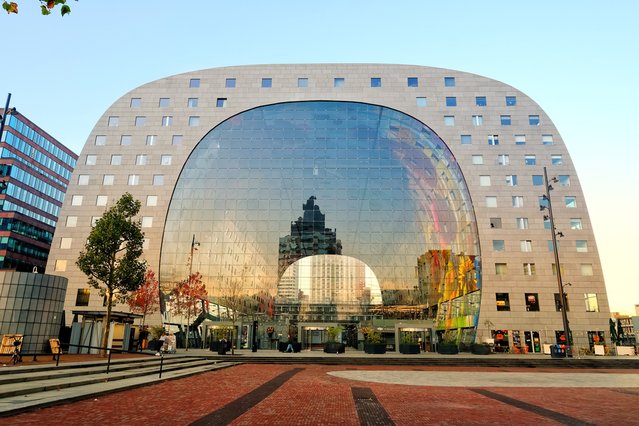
[373, 342]
[448, 345]
[332, 345]
[482, 348]
[408, 344]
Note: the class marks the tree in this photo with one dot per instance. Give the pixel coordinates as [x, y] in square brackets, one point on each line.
[111, 255]
[187, 299]
[146, 299]
[45, 6]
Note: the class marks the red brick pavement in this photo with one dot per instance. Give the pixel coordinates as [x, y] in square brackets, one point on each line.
[312, 397]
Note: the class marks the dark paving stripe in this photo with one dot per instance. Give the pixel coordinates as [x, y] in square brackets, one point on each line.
[369, 410]
[627, 392]
[235, 409]
[558, 417]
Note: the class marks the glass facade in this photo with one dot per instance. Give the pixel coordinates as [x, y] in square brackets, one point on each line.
[328, 211]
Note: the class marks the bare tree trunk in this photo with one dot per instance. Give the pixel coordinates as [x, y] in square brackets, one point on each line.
[107, 325]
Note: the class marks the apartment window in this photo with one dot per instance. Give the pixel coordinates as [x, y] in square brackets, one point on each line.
[108, 180]
[449, 81]
[546, 222]
[491, 201]
[65, 243]
[503, 159]
[511, 100]
[571, 202]
[165, 160]
[192, 102]
[151, 139]
[167, 120]
[139, 120]
[94, 220]
[556, 160]
[146, 243]
[575, 224]
[230, 83]
[133, 180]
[141, 159]
[220, 103]
[302, 82]
[478, 159]
[592, 305]
[76, 200]
[532, 302]
[478, 120]
[533, 120]
[158, 180]
[501, 268]
[164, 102]
[517, 201]
[484, 180]
[537, 180]
[529, 269]
[543, 201]
[376, 82]
[101, 200]
[558, 303]
[554, 267]
[267, 83]
[449, 120]
[194, 120]
[499, 245]
[511, 180]
[100, 140]
[520, 139]
[421, 101]
[176, 140]
[547, 140]
[522, 222]
[480, 101]
[525, 246]
[136, 102]
[564, 180]
[582, 246]
[495, 222]
[466, 139]
[493, 140]
[505, 120]
[503, 301]
[90, 160]
[60, 265]
[551, 247]
[147, 222]
[194, 83]
[530, 160]
[113, 121]
[412, 82]
[125, 140]
[586, 269]
[82, 297]
[72, 221]
[116, 160]
[338, 82]
[151, 200]
[451, 101]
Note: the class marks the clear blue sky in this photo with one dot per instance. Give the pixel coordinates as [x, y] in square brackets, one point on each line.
[578, 60]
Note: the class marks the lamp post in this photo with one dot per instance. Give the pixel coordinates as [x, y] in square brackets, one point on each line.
[6, 112]
[560, 285]
[193, 245]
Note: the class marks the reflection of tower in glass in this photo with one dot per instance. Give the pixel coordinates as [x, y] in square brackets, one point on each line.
[309, 236]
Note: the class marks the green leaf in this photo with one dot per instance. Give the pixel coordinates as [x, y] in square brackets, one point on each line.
[65, 9]
[45, 11]
[5, 6]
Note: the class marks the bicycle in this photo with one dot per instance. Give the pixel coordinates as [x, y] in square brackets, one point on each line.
[16, 356]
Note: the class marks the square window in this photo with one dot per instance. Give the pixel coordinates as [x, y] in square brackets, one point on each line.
[133, 180]
[76, 200]
[72, 221]
[478, 159]
[484, 180]
[421, 101]
[139, 120]
[505, 120]
[194, 120]
[491, 201]
[493, 140]
[518, 201]
[543, 201]
[503, 301]
[338, 82]
[176, 140]
[82, 297]
[525, 246]
[520, 139]
[451, 101]
[532, 302]
[537, 180]
[575, 224]
[90, 160]
[165, 160]
[558, 303]
[511, 180]
[83, 179]
[586, 269]
[146, 243]
[495, 222]
[302, 82]
[151, 200]
[582, 246]
[267, 83]
[556, 160]
[449, 81]
[546, 223]
[141, 160]
[449, 120]
[116, 160]
[592, 305]
[571, 202]
[194, 83]
[158, 180]
[108, 180]
[547, 140]
[551, 248]
[466, 139]
[136, 102]
[480, 101]
[376, 82]
[100, 140]
[229, 83]
[478, 120]
[125, 140]
[147, 222]
[564, 180]
[192, 102]
[530, 160]
[220, 103]
[511, 100]
[167, 120]
[533, 120]
[522, 222]
[164, 102]
[101, 200]
[60, 265]
[499, 245]
[501, 268]
[113, 121]
[503, 159]
[412, 82]
[151, 139]
[554, 268]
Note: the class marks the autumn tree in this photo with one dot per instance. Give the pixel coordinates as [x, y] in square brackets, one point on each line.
[111, 255]
[146, 299]
[187, 299]
[45, 6]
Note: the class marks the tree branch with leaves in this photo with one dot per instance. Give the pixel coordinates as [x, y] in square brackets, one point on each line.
[45, 6]
[145, 299]
[187, 299]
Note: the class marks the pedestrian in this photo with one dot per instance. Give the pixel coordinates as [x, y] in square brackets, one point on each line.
[290, 344]
[162, 344]
[144, 337]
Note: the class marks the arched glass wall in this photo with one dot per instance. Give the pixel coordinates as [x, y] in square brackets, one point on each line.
[328, 211]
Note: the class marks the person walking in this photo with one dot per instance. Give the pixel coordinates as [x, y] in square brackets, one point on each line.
[290, 344]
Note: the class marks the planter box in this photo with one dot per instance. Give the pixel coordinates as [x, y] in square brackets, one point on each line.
[480, 349]
[600, 350]
[409, 348]
[334, 348]
[375, 348]
[445, 349]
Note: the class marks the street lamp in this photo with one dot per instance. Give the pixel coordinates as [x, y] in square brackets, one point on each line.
[560, 285]
[6, 112]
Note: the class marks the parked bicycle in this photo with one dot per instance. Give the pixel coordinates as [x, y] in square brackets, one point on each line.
[16, 356]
